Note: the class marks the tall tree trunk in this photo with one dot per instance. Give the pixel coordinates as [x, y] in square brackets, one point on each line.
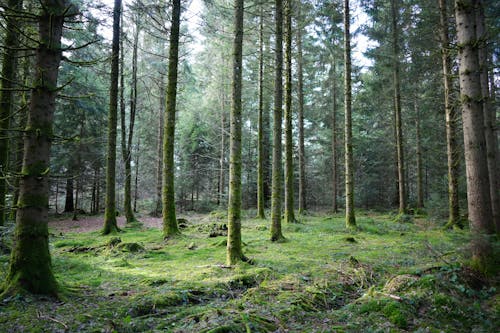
[222, 156]
[170, 227]
[350, 218]
[397, 109]
[9, 68]
[260, 141]
[334, 137]
[136, 180]
[69, 205]
[300, 110]
[451, 122]
[234, 250]
[159, 149]
[276, 234]
[491, 142]
[110, 225]
[30, 264]
[420, 175]
[289, 175]
[126, 142]
[476, 164]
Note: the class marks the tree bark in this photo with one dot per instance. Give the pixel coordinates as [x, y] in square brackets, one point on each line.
[451, 122]
[170, 227]
[159, 149]
[491, 142]
[350, 218]
[334, 138]
[397, 109]
[276, 234]
[110, 224]
[126, 142]
[69, 205]
[420, 175]
[9, 68]
[30, 264]
[234, 248]
[289, 174]
[300, 111]
[260, 140]
[476, 165]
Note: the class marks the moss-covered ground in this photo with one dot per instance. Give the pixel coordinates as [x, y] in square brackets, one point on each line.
[385, 277]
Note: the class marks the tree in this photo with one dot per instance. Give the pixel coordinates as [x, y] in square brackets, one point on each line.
[276, 234]
[260, 141]
[126, 138]
[234, 251]
[300, 114]
[476, 164]
[110, 225]
[9, 67]
[489, 115]
[397, 108]
[170, 227]
[289, 174]
[334, 137]
[30, 264]
[451, 122]
[350, 218]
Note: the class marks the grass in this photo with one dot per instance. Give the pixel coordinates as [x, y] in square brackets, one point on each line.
[384, 277]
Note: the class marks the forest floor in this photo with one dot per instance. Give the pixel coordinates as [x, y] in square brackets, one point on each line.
[385, 277]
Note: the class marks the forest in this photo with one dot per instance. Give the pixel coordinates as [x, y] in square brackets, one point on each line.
[249, 166]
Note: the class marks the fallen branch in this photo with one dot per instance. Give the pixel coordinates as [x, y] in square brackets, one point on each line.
[41, 316]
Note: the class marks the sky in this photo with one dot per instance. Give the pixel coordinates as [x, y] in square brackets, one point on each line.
[192, 16]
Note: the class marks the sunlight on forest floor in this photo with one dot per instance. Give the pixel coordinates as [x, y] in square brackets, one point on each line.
[387, 276]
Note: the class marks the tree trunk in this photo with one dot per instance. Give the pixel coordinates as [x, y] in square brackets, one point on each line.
[476, 164]
[397, 109]
[170, 227]
[136, 180]
[222, 175]
[276, 234]
[300, 110]
[451, 123]
[234, 250]
[260, 141]
[126, 142]
[420, 175]
[334, 137]
[289, 175]
[30, 265]
[159, 149]
[9, 68]
[350, 218]
[110, 225]
[489, 132]
[69, 205]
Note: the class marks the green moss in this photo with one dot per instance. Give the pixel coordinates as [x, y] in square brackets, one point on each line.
[396, 313]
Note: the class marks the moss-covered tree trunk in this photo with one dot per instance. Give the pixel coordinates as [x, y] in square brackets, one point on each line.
[9, 67]
[289, 174]
[300, 111]
[260, 140]
[489, 112]
[110, 225]
[30, 266]
[170, 227]
[334, 138]
[126, 138]
[476, 164]
[276, 234]
[397, 108]
[350, 219]
[451, 118]
[234, 250]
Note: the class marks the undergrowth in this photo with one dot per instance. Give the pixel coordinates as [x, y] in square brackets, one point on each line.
[385, 277]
